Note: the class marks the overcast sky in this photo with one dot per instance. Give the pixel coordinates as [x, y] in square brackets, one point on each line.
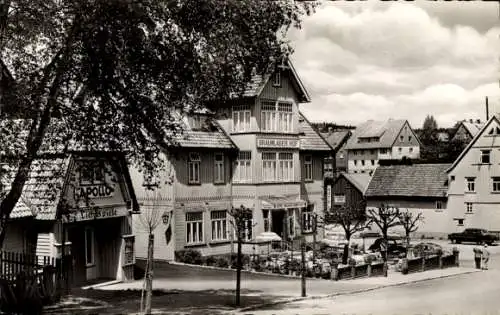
[365, 60]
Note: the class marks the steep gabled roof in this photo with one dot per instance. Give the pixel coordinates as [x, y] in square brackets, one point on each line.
[258, 82]
[310, 139]
[337, 138]
[386, 131]
[359, 180]
[472, 128]
[417, 180]
[473, 141]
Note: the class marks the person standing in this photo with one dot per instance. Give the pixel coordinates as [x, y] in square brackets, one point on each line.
[477, 256]
[485, 257]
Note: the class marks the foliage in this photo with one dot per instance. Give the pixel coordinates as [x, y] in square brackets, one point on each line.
[409, 221]
[385, 217]
[118, 75]
[189, 256]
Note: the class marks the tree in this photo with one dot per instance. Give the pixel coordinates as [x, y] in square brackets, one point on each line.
[349, 218]
[118, 75]
[385, 217]
[240, 220]
[409, 221]
[429, 128]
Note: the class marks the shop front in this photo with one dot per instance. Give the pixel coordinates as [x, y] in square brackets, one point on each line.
[282, 216]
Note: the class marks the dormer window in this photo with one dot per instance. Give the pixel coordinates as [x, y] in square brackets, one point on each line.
[277, 78]
[495, 131]
[196, 122]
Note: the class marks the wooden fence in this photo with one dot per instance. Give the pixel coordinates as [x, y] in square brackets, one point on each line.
[420, 264]
[358, 271]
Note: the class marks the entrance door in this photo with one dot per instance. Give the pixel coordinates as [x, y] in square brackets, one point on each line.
[77, 238]
[278, 222]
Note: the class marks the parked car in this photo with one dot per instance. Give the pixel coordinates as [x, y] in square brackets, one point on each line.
[334, 239]
[473, 235]
[394, 246]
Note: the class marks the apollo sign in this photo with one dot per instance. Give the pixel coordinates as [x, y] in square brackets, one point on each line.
[94, 191]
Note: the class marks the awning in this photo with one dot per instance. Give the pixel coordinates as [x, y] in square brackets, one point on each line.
[275, 202]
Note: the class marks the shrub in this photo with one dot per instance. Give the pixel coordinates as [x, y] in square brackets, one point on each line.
[351, 262]
[189, 256]
[210, 261]
[221, 262]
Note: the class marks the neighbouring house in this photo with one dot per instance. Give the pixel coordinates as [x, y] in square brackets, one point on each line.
[83, 199]
[374, 141]
[193, 190]
[348, 190]
[417, 188]
[279, 170]
[474, 191]
[338, 162]
[466, 130]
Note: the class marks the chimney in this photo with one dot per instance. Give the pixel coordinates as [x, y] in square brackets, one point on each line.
[471, 121]
[487, 109]
[478, 121]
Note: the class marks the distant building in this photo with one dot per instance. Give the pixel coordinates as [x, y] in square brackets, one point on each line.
[338, 140]
[373, 141]
[467, 130]
[417, 188]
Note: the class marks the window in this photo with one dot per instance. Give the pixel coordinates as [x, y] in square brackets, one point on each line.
[219, 168]
[267, 221]
[468, 207]
[129, 254]
[341, 155]
[276, 116]
[439, 204]
[219, 225]
[277, 78]
[409, 138]
[494, 131]
[372, 152]
[485, 156]
[452, 177]
[196, 122]
[194, 227]
[471, 184]
[308, 167]
[373, 162]
[355, 172]
[89, 246]
[91, 172]
[401, 138]
[241, 118]
[362, 172]
[460, 222]
[383, 151]
[307, 220]
[400, 150]
[354, 152]
[355, 162]
[194, 168]
[277, 166]
[243, 170]
[291, 222]
[496, 184]
[363, 162]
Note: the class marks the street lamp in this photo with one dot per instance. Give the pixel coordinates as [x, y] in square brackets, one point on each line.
[165, 217]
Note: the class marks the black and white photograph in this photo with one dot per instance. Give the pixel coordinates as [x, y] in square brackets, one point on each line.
[257, 157]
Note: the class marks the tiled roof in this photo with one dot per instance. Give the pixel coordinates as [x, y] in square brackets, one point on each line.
[205, 139]
[472, 128]
[309, 138]
[359, 180]
[42, 189]
[387, 131]
[418, 180]
[336, 138]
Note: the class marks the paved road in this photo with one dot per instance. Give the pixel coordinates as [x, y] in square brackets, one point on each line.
[475, 293]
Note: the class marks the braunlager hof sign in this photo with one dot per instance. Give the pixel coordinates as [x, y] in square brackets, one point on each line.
[277, 143]
[94, 191]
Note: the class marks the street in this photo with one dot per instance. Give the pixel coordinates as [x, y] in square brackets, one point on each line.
[475, 293]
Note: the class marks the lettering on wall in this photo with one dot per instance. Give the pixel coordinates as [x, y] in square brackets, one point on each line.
[94, 213]
[94, 191]
[277, 143]
[329, 197]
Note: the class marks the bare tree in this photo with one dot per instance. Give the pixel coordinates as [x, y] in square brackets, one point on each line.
[240, 222]
[351, 221]
[385, 217]
[150, 218]
[409, 221]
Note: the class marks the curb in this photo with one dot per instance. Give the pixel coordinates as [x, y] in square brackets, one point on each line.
[316, 297]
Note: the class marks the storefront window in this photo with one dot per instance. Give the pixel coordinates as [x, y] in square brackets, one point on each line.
[89, 246]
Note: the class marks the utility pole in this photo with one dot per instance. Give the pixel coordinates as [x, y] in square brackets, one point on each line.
[303, 257]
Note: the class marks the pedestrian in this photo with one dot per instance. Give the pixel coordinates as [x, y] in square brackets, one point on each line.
[485, 256]
[477, 256]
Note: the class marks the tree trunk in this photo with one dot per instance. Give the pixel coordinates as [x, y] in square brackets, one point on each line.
[345, 254]
[238, 273]
[149, 275]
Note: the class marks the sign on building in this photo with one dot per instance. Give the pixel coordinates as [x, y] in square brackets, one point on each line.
[339, 199]
[328, 197]
[277, 143]
[94, 191]
[95, 213]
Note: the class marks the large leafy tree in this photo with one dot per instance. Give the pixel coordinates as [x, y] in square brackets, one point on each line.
[112, 73]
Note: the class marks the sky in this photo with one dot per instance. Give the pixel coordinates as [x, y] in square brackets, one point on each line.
[363, 60]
